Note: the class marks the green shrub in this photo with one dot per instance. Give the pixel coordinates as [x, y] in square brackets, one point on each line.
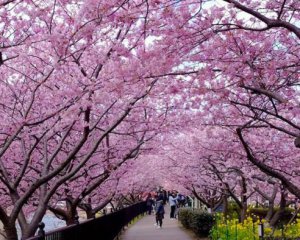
[198, 221]
[185, 216]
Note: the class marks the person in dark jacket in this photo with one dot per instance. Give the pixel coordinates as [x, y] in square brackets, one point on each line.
[165, 197]
[159, 212]
[149, 203]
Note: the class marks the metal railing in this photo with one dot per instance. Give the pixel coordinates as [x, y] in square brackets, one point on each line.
[106, 227]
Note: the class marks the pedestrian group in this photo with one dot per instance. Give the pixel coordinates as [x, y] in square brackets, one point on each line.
[157, 203]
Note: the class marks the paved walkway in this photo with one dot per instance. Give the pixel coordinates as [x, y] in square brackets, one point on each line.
[144, 229]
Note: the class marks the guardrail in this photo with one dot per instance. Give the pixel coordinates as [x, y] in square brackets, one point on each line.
[106, 227]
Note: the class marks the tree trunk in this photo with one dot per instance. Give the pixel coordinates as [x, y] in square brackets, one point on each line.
[71, 212]
[68, 215]
[72, 216]
[280, 211]
[276, 217]
[244, 205]
[71, 220]
[31, 228]
[10, 232]
[243, 212]
[225, 205]
[90, 214]
[270, 211]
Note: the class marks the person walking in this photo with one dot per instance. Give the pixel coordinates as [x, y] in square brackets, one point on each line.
[149, 203]
[159, 212]
[172, 203]
[165, 197]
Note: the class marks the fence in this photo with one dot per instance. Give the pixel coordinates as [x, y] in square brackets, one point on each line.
[106, 227]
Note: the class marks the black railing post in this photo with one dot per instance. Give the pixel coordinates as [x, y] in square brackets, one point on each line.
[76, 219]
[261, 232]
[41, 232]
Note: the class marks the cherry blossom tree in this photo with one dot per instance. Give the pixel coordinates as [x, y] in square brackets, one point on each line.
[73, 75]
[86, 84]
[248, 71]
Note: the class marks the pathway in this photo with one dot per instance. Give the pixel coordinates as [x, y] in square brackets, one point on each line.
[144, 229]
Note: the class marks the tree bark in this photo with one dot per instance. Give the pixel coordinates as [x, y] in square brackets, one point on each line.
[271, 200]
[90, 214]
[280, 211]
[225, 204]
[11, 232]
[270, 212]
[9, 228]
